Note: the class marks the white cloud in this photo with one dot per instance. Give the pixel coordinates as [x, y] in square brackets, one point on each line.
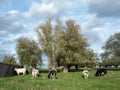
[11, 28]
[104, 8]
[39, 10]
[12, 12]
[51, 8]
[46, 1]
[10, 22]
[91, 1]
[97, 30]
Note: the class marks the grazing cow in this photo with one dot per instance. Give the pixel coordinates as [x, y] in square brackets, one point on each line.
[35, 73]
[52, 74]
[20, 70]
[85, 74]
[27, 72]
[101, 72]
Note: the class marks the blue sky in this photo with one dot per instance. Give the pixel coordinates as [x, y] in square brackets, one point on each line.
[18, 18]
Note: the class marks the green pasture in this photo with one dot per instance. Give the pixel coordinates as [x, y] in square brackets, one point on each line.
[65, 81]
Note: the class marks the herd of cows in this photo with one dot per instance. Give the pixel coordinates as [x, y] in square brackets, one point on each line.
[53, 73]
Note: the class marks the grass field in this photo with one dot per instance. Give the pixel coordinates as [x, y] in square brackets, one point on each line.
[65, 81]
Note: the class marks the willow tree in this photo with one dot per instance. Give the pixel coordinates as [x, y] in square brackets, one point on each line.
[9, 60]
[62, 43]
[29, 52]
[91, 58]
[72, 45]
[46, 39]
[111, 55]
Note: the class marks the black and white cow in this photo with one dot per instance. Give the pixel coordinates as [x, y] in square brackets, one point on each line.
[101, 72]
[52, 74]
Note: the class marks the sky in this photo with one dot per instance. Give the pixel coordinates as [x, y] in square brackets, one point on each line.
[98, 20]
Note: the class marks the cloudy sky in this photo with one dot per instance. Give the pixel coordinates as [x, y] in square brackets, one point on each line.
[18, 18]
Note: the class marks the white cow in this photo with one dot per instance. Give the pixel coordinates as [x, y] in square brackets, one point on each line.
[85, 74]
[20, 70]
[35, 73]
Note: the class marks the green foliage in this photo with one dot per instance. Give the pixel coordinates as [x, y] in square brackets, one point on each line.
[90, 56]
[72, 44]
[45, 36]
[63, 44]
[111, 53]
[29, 52]
[9, 60]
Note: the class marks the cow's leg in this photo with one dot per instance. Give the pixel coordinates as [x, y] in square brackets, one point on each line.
[18, 73]
[23, 73]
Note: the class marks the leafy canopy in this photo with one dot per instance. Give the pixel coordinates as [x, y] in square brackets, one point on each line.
[29, 52]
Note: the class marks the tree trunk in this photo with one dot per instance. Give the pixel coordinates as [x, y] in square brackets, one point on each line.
[65, 69]
[76, 67]
[33, 66]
